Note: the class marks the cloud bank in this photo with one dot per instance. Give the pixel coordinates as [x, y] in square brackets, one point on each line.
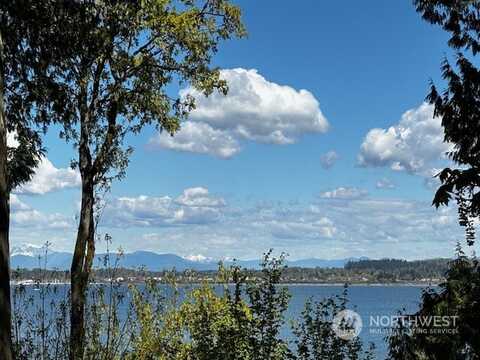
[194, 206]
[340, 222]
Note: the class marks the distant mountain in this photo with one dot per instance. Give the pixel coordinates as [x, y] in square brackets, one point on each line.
[27, 250]
[31, 256]
[157, 262]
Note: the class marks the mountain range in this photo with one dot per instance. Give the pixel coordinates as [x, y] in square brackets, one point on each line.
[32, 256]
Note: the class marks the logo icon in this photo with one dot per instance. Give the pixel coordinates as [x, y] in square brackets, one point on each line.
[347, 324]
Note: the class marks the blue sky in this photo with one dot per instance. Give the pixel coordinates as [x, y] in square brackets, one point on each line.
[290, 158]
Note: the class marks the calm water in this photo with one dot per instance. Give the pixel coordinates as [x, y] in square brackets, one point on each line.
[368, 301]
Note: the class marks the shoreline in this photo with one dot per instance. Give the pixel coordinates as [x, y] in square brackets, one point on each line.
[320, 284]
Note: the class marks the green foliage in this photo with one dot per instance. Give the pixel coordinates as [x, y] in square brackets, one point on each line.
[269, 302]
[395, 269]
[240, 322]
[456, 298]
[121, 57]
[208, 325]
[459, 110]
[315, 338]
[460, 18]
[458, 106]
[27, 49]
[111, 80]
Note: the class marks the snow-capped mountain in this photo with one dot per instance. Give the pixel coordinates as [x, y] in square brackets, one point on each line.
[33, 256]
[28, 250]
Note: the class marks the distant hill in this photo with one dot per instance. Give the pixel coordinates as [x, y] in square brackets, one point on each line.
[27, 257]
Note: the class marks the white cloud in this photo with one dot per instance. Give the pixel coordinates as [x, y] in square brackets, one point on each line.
[345, 193]
[24, 216]
[194, 206]
[328, 159]
[346, 222]
[199, 138]
[255, 109]
[199, 258]
[414, 145]
[324, 228]
[27, 249]
[48, 178]
[320, 228]
[199, 197]
[16, 204]
[385, 183]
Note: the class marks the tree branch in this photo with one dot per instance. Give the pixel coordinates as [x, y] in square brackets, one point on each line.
[98, 165]
[96, 86]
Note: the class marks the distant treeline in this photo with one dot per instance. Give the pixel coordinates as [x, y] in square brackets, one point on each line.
[440, 264]
[358, 272]
[402, 268]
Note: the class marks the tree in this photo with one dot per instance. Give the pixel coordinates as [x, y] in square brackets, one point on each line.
[27, 48]
[315, 337]
[459, 105]
[456, 301]
[123, 54]
[269, 302]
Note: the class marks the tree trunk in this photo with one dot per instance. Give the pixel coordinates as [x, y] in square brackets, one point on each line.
[80, 270]
[5, 309]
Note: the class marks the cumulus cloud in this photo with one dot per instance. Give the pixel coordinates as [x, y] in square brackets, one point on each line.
[199, 138]
[194, 206]
[199, 197]
[328, 159]
[414, 145]
[385, 183]
[345, 193]
[255, 109]
[48, 178]
[24, 216]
